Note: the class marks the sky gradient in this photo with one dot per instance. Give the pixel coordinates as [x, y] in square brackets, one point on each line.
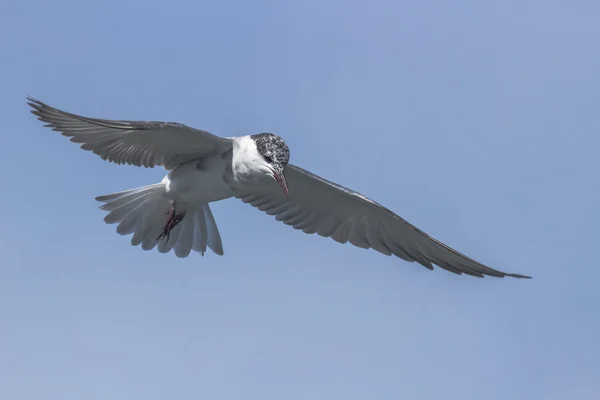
[476, 122]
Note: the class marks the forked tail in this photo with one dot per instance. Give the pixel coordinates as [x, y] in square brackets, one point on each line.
[144, 212]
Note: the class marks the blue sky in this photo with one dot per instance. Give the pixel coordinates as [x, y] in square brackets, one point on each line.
[477, 122]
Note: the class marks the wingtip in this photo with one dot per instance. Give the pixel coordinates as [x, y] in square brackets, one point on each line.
[32, 101]
[519, 276]
[36, 107]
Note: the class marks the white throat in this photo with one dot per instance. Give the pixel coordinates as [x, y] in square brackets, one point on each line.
[248, 165]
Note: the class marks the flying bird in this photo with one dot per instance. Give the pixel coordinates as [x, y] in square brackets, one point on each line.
[203, 168]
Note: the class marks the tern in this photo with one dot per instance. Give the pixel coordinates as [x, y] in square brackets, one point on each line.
[203, 168]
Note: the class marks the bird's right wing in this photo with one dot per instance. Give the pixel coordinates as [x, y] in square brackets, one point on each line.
[140, 143]
[317, 205]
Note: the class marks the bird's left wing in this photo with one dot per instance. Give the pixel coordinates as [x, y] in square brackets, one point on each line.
[141, 143]
[330, 210]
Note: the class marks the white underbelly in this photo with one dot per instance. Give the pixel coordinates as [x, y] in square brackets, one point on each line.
[188, 185]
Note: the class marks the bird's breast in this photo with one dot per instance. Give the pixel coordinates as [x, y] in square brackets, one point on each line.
[199, 182]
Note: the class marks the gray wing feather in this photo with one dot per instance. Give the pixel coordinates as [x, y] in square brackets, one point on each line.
[140, 143]
[330, 210]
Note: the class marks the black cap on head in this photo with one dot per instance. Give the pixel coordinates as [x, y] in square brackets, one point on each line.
[276, 153]
[272, 148]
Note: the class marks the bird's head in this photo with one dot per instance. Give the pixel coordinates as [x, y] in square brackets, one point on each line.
[275, 155]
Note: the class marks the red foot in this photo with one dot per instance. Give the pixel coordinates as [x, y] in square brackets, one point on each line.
[172, 221]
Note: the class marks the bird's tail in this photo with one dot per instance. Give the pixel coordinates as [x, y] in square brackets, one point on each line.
[143, 212]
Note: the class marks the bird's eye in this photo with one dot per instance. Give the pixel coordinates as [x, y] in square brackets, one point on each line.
[268, 159]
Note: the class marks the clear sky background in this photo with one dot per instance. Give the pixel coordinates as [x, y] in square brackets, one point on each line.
[477, 122]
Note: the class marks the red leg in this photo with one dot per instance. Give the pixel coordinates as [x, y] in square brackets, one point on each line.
[172, 220]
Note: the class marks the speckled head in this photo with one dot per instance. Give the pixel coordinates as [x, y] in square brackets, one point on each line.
[272, 148]
[276, 153]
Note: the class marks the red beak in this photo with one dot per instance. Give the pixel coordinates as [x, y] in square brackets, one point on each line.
[280, 178]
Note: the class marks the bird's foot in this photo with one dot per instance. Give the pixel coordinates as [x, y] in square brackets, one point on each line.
[172, 220]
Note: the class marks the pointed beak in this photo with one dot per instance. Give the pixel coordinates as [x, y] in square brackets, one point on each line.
[280, 178]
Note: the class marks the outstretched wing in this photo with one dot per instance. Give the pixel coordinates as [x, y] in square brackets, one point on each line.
[320, 206]
[141, 143]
